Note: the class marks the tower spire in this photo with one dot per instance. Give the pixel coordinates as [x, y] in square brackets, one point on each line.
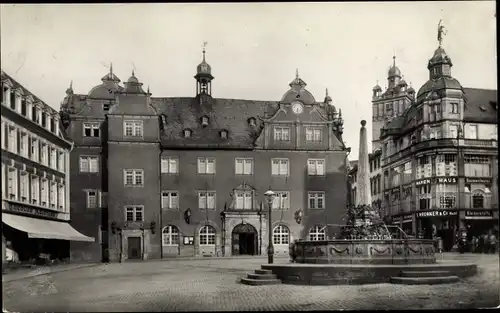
[204, 49]
[297, 73]
[111, 68]
[326, 92]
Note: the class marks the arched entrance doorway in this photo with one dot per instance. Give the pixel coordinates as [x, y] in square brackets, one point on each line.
[244, 240]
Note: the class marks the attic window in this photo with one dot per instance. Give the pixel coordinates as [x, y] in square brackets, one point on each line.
[204, 121]
[223, 134]
[187, 133]
[251, 121]
[106, 106]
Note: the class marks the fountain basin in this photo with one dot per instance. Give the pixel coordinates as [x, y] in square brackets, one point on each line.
[365, 251]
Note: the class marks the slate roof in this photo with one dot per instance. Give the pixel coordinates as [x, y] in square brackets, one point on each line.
[479, 108]
[231, 115]
[480, 105]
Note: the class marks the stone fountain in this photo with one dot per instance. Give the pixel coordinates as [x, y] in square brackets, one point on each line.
[366, 251]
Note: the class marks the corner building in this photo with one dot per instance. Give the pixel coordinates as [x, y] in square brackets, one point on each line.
[440, 158]
[35, 178]
[166, 177]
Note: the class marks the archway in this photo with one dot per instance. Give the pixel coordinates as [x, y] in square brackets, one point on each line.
[244, 240]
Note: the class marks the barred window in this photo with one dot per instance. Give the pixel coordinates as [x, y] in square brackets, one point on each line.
[207, 236]
[281, 235]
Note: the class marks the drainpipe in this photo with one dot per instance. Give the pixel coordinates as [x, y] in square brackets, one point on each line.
[161, 209]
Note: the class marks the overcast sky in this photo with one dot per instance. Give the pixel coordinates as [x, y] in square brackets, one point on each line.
[253, 48]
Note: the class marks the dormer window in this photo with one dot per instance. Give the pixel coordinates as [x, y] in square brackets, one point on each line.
[251, 121]
[187, 133]
[223, 134]
[204, 121]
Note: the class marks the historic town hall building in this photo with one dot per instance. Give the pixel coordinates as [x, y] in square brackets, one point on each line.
[163, 177]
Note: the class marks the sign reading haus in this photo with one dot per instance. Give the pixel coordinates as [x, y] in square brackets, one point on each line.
[445, 180]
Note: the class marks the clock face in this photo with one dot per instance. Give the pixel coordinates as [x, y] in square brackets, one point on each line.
[297, 107]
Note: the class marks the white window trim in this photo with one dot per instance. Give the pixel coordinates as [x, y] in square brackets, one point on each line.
[134, 124]
[169, 233]
[136, 208]
[167, 169]
[61, 195]
[316, 231]
[281, 233]
[91, 126]
[309, 193]
[206, 199]
[207, 235]
[35, 189]
[280, 130]
[135, 173]
[206, 159]
[169, 199]
[89, 157]
[243, 161]
[279, 167]
[309, 173]
[13, 191]
[278, 200]
[24, 192]
[314, 131]
[246, 194]
[87, 198]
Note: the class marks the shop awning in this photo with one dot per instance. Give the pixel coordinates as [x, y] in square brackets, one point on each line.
[40, 228]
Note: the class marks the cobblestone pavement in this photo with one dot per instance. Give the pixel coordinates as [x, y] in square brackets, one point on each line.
[213, 285]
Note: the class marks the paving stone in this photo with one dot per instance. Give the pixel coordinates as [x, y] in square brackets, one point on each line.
[212, 285]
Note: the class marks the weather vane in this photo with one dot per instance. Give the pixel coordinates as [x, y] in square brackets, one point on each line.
[441, 32]
[204, 45]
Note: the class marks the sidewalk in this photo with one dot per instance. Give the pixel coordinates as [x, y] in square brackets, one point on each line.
[23, 273]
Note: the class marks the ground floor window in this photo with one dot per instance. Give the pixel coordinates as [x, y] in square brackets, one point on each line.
[317, 233]
[170, 236]
[207, 236]
[281, 235]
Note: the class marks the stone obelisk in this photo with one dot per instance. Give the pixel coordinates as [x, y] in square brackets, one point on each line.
[363, 195]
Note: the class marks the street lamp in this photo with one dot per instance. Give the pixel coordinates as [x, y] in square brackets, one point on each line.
[270, 249]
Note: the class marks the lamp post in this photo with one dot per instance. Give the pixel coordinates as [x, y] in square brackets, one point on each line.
[459, 136]
[270, 249]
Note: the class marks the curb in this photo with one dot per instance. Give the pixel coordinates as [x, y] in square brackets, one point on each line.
[6, 278]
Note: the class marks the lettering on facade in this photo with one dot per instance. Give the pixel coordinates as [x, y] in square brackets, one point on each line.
[477, 181]
[445, 180]
[479, 214]
[14, 207]
[436, 213]
[423, 182]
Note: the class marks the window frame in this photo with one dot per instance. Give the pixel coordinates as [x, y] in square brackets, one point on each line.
[135, 173]
[280, 198]
[243, 162]
[89, 158]
[316, 161]
[316, 231]
[168, 197]
[281, 234]
[168, 168]
[279, 167]
[170, 235]
[278, 132]
[206, 161]
[314, 195]
[135, 210]
[206, 206]
[134, 125]
[88, 198]
[314, 131]
[92, 126]
[207, 235]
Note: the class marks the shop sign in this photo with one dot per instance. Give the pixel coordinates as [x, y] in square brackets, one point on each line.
[445, 180]
[19, 208]
[396, 220]
[394, 190]
[407, 218]
[434, 213]
[479, 215]
[478, 181]
[423, 182]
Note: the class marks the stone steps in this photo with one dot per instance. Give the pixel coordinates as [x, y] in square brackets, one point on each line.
[424, 274]
[424, 280]
[261, 277]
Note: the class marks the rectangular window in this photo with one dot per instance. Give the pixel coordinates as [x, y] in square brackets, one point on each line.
[12, 139]
[424, 197]
[446, 195]
[281, 133]
[91, 130]
[134, 213]
[34, 150]
[133, 177]
[170, 200]
[92, 199]
[206, 165]
[244, 166]
[60, 162]
[24, 184]
[52, 194]
[206, 199]
[53, 158]
[316, 200]
[35, 189]
[472, 132]
[23, 147]
[89, 164]
[244, 200]
[281, 200]
[44, 191]
[280, 167]
[316, 167]
[60, 195]
[477, 165]
[454, 107]
[12, 183]
[170, 165]
[44, 155]
[314, 134]
[132, 128]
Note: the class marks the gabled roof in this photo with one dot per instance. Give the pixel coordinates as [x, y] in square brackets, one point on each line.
[224, 114]
[27, 93]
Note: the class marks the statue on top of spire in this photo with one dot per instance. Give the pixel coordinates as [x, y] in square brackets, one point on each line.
[441, 32]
